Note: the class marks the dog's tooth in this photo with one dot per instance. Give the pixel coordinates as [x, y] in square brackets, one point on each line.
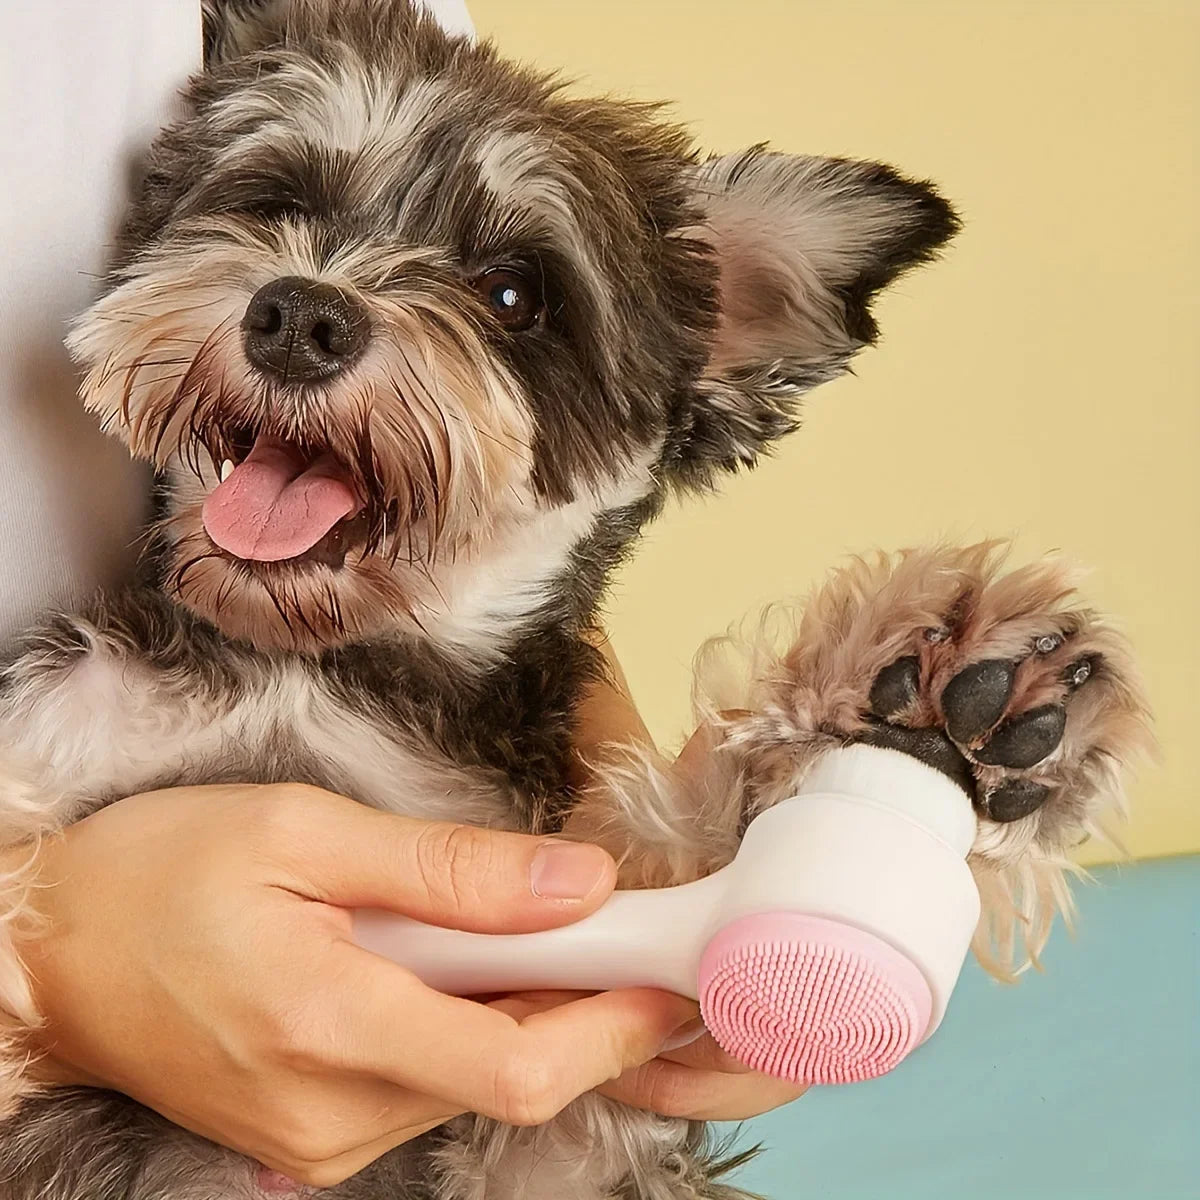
[226, 469]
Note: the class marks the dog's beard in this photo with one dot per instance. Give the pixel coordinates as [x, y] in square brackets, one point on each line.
[427, 429]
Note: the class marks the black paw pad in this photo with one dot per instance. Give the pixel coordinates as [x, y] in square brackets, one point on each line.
[975, 699]
[1026, 740]
[896, 687]
[1014, 800]
[931, 746]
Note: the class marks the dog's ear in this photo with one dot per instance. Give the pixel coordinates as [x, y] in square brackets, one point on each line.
[802, 246]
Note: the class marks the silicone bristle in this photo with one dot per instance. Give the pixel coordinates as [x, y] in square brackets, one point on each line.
[811, 1000]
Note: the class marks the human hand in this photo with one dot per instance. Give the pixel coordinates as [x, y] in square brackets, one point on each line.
[198, 957]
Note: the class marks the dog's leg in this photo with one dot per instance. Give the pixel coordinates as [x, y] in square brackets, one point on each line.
[1005, 682]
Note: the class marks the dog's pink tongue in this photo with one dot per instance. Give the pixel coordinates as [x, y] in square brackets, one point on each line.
[277, 504]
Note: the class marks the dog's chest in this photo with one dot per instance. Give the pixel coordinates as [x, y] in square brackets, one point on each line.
[295, 726]
[112, 723]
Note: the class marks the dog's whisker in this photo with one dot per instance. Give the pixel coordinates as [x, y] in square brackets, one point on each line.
[181, 573]
[154, 362]
[508, 443]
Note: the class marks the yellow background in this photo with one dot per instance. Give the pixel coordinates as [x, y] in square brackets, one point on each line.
[1041, 382]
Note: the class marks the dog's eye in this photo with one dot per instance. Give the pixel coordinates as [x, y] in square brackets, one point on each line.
[513, 299]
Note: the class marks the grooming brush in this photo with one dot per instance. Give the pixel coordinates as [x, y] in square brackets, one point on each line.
[824, 953]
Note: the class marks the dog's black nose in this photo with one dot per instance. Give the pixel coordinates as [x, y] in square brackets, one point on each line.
[301, 331]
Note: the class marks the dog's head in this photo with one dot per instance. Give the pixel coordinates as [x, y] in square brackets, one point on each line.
[411, 333]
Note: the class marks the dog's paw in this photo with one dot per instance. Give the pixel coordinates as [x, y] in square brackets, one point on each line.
[995, 724]
[1003, 681]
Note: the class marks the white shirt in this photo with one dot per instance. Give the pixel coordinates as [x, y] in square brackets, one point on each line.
[84, 85]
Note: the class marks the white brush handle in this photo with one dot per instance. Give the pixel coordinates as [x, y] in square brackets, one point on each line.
[636, 939]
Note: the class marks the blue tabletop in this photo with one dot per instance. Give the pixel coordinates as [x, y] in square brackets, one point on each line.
[1081, 1082]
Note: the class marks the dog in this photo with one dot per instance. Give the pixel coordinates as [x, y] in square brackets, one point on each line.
[417, 343]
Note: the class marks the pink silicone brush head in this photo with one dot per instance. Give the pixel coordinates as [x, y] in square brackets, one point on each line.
[811, 1000]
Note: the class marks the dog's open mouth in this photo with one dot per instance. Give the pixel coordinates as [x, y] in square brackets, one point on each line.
[281, 503]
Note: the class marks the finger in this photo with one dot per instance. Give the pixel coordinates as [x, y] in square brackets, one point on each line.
[455, 875]
[520, 1005]
[672, 1090]
[697, 758]
[705, 1055]
[519, 1069]
[693, 761]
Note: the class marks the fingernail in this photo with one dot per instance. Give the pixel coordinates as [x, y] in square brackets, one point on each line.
[567, 870]
[685, 1035]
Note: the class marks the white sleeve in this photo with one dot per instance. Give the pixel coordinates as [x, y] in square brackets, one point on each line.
[83, 84]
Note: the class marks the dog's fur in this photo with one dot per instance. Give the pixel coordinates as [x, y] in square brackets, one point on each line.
[686, 306]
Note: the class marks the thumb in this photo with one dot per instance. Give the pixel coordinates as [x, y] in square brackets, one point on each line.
[459, 876]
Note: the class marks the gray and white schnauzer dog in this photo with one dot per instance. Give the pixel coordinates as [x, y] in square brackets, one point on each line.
[417, 344]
